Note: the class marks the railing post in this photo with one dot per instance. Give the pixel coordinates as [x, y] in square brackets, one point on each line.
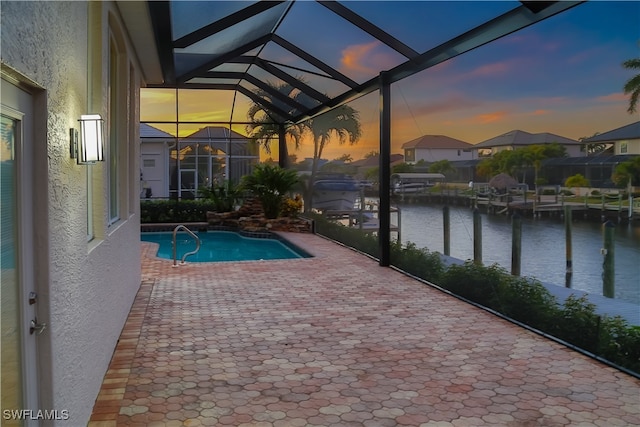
[516, 244]
[447, 230]
[477, 237]
[608, 284]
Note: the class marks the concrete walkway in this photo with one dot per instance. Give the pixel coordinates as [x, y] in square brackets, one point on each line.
[336, 340]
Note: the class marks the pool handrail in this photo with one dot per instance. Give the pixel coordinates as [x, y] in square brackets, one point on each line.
[175, 246]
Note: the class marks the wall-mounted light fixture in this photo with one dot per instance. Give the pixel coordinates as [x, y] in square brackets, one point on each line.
[89, 148]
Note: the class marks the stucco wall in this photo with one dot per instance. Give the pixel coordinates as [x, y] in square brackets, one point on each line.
[86, 288]
[434, 155]
[633, 146]
[155, 177]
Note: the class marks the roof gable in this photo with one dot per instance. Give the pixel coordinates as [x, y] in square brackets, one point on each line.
[631, 131]
[215, 132]
[375, 160]
[437, 142]
[147, 131]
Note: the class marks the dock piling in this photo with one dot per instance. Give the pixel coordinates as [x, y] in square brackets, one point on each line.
[447, 230]
[477, 237]
[567, 239]
[608, 284]
[516, 244]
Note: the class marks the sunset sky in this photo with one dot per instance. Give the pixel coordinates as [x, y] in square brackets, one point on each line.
[563, 76]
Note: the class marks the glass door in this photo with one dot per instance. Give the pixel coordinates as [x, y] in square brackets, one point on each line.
[11, 355]
[18, 324]
[188, 182]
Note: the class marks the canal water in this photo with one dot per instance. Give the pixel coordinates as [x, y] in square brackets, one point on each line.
[543, 246]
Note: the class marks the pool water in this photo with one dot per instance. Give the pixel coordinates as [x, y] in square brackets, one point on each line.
[218, 246]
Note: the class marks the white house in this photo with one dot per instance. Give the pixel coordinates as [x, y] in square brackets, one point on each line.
[432, 148]
[625, 139]
[178, 167]
[518, 139]
[70, 233]
[154, 161]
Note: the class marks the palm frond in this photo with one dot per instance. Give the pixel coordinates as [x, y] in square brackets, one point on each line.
[632, 87]
[632, 64]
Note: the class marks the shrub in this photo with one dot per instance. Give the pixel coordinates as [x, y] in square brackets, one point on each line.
[528, 301]
[475, 282]
[224, 196]
[174, 211]
[577, 180]
[292, 207]
[418, 262]
[578, 323]
[620, 343]
[270, 184]
[351, 237]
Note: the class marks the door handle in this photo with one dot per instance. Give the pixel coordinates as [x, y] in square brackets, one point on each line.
[36, 327]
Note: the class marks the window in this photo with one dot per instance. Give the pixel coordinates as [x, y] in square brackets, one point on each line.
[624, 148]
[410, 155]
[114, 152]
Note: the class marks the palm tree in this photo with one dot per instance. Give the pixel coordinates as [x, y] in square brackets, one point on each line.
[342, 121]
[270, 184]
[632, 86]
[265, 124]
[627, 173]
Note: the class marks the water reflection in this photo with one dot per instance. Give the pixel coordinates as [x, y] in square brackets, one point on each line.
[543, 246]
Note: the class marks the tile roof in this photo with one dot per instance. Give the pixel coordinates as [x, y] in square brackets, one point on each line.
[520, 137]
[630, 131]
[437, 142]
[375, 160]
[147, 131]
[215, 132]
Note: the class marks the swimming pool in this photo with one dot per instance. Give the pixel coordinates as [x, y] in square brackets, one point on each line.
[219, 246]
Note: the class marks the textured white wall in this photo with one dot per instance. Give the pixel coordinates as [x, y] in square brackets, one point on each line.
[155, 177]
[86, 288]
[633, 146]
[433, 155]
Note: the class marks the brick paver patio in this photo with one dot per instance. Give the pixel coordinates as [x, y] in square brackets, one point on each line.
[336, 340]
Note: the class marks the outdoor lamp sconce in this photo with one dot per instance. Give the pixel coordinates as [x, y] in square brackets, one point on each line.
[89, 148]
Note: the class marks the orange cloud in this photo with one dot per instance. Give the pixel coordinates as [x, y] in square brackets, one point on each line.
[368, 59]
[613, 97]
[354, 57]
[539, 113]
[490, 117]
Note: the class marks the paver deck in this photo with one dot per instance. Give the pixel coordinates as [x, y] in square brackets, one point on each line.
[336, 340]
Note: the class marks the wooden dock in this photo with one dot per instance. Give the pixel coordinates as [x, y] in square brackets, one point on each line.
[611, 206]
[554, 205]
